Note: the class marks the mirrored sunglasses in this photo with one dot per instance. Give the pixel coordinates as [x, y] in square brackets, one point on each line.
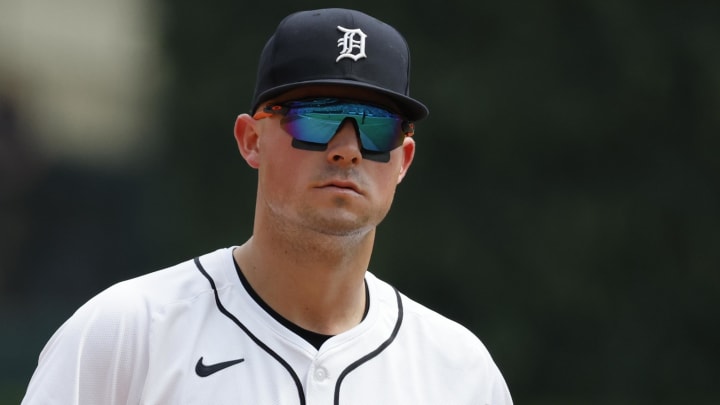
[316, 121]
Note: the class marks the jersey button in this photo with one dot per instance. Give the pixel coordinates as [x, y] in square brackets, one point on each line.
[320, 374]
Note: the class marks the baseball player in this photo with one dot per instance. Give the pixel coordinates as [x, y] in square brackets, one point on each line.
[291, 316]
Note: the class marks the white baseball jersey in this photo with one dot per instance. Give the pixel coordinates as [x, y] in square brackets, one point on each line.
[192, 334]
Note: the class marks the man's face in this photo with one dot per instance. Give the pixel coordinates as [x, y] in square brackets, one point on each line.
[336, 191]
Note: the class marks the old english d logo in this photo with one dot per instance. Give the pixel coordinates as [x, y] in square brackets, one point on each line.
[351, 44]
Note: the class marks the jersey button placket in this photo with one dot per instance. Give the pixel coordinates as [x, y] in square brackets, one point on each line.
[319, 385]
[320, 374]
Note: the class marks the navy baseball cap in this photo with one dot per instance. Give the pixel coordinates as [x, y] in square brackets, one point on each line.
[337, 46]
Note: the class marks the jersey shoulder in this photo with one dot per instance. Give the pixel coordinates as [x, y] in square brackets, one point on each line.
[105, 346]
[436, 344]
[155, 290]
[130, 306]
[439, 334]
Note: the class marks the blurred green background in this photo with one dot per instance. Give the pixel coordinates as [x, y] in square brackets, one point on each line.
[564, 202]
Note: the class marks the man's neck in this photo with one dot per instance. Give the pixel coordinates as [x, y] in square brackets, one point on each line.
[317, 286]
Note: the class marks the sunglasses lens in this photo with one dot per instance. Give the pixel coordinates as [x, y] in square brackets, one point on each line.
[381, 134]
[309, 127]
[317, 122]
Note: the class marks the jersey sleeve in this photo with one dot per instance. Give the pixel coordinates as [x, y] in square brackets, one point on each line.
[98, 356]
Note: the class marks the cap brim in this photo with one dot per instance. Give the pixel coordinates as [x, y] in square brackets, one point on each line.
[412, 109]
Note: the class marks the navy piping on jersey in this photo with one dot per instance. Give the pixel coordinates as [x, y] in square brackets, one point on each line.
[373, 353]
[257, 341]
[284, 363]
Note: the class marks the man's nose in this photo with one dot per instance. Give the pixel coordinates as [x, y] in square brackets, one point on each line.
[345, 147]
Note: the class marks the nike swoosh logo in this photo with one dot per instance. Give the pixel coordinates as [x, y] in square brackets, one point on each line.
[205, 370]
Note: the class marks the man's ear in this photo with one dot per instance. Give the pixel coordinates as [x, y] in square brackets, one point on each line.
[247, 139]
[408, 153]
